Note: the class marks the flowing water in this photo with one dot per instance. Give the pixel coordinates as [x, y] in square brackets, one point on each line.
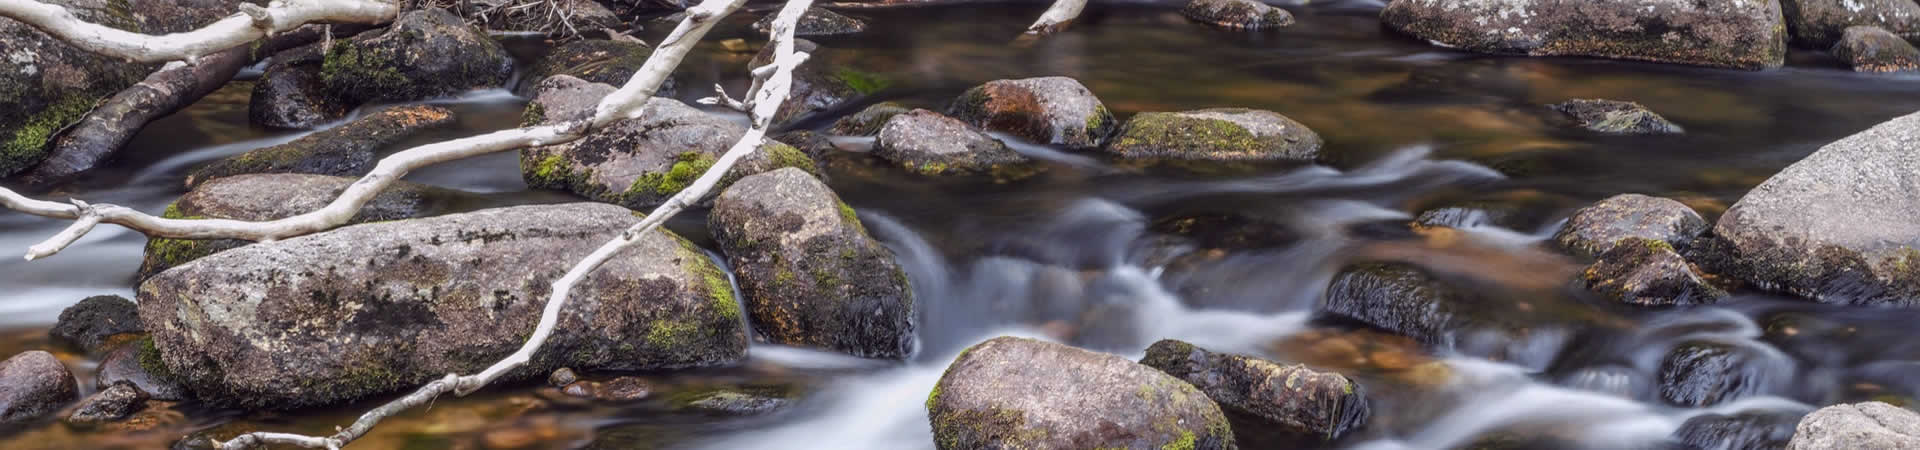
[1079, 255]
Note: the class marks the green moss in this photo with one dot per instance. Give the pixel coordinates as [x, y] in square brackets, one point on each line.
[933, 397]
[668, 334]
[352, 71]
[1098, 118]
[783, 155]
[552, 172]
[1173, 135]
[1657, 245]
[150, 359]
[1185, 442]
[533, 115]
[931, 168]
[825, 279]
[687, 167]
[862, 82]
[29, 143]
[718, 290]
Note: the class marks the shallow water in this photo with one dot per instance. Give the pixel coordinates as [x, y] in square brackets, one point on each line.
[1407, 125]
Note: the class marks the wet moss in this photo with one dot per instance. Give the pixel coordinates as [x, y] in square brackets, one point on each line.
[551, 173]
[1098, 118]
[350, 68]
[29, 143]
[687, 167]
[150, 359]
[1174, 135]
[533, 115]
[783, 155]
[669, 334]
[860, 81]
[1185, 442]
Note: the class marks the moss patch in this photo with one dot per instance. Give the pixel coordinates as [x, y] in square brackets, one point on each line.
[352, 70]
[1177, 136]
[687, 167]
[29, 143]
[861, 81]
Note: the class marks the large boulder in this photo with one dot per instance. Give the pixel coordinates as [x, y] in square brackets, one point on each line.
[279, 196]
[1237, 14]
[1646, 272]
[1732, 34]
[1595, 229]
[424, 54]
[811, 275]
[1021, 393]
[1821, 23]
[1872, 49]
[91, 324]
[1047, 110]
[930, 143]
[346, 150]
[1291, 399]
[33, 385]
[46, 85]
[638, 162]
[1869, 425]
[373, 308]
[815, 21]
[1837, 226]
[594, 60]
[1217, 134]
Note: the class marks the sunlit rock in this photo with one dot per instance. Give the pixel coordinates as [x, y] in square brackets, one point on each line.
[1860, 425]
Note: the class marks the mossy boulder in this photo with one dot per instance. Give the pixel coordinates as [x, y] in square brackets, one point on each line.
[1743, 430]
[380, 307]
[1237, 14]
[36, 385]
[1864, 425]
[346, 150]
[817, 85]
[1822, 23]
[1046, 110]
[1012, 392]
[1705, 373]
[1838, 226]
[1872, 49]
[1217, 134]
[1647, 272]
[138, 364]
[1290, 399]
[1733, 34]
[424, 54]
[932, 144]
[1615, 117]
[47, 85]
[868, 121]
[92, 324]
[279, 196]
[811, 275]
[639, 162]
[1595, 229]
[736, 400]
[594, 60]
[816, 21]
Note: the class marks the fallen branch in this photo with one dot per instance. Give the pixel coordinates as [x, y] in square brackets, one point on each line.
[1057, 17]
[770, 88]
[104, 130]
[250, 24]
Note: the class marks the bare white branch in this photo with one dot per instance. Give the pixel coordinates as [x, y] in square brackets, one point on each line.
[251, 24]
[1058, 16]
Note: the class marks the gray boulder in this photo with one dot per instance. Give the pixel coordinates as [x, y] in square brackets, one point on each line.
[346, 150]
[1732, 34]
[816, 21]
[640, 162]
[111, 404]
[1821, 23]
[373, 308]
[1021, 393]
[1237, 14]
[138, 364]
[33, 385]
[1863, 426]
[930, 143]
[46, 85]
[594, 60]
[1837, 226]
[1872, 49]
[1047, 110]
[279, 196]
[424, 54]
[1217, 134]
[1595, 229]
[1615, 117]
[1646, 272]
[1289, 399]
[811, 275]
[91, 324]
[868, 121]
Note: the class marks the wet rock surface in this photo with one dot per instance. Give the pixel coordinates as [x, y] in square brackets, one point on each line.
[1596, 229]
[424, 54]
[597, 61]
[930, 143]
[811, 275]
[34, 385]
[1022, 393]
[90, 324]
[869, 121]
[816, 21]
[1821, 23]
[1288, 398]
[1409, 301]
[1237, 14]
[1860, 425]
[1217, 134]
[1705, 373]
[1615, 117]
[109, 405]
[346, 150]
[1837, 226]
[1745, 430]
[1871, 49]
[138, 364]
[745, 401]
[1047, 110]
[1647, 272]
[373, 308]
[1744, 35]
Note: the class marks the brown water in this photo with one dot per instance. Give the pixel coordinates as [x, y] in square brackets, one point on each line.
[1407, 126]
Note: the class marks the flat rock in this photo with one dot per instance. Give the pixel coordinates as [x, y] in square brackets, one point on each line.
[1595, 229]
[1237, 14]
[1871, 49]
[1615, 117]
[34, 385]
[1732, 34]
[930, 143]
[346, 150]
[1869, 425]
[1288, 398]
[1047, 110]
[1646, 272]
[1217, 134]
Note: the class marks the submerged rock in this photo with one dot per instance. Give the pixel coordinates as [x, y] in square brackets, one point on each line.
[598, 61]
[1408, 301]
[1217, 134]
[1837, 226]
[1871, 49]
[47, 85]
[346, 150]
[88, 325]
[138, 364]
[279, 196]
[1237, 14]
[640, 162]
[929, 143]
[1021, 393]
[33, 385]
[1615, 117]
[1868, 425]
[868, 121]
[1733, 34]
[111, 404]
[1047, 110]
[373, 308]
[1704, 373]
[617, 390]
[1742, 431]
[1821, 23]
[811, 275]
[1290, 399]
[1595, 229]
[736, 402]
[424, 54]
[816, 21]
[1647, 272]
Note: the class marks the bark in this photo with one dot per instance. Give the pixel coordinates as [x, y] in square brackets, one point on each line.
[103, 131]
[1057, 17]
[250, 24]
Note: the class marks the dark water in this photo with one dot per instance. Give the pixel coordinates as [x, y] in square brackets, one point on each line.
[1073, 254]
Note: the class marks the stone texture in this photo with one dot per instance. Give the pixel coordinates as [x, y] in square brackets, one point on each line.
[816, 21]
[1743, 431]
[1408, 301]
[1237, 14]
[47, 85]
[1646, 272]
[1869, 425]
[1821, 23]
[1871, 49]
[1047, 110]
[1595, 229]
[424, 54]
[1290, 399]
[138, 364]
[1217, 134]
[33, 385]
[1733, 34]
[346, 150]
[1704, 373]
[593, 60]
[868, 121]
[930, 143]
[109, 405]
[1615, 117]
[88, 325]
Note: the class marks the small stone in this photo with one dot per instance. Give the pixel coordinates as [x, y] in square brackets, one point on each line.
[562, 377]
[623, 389]
[932, 144]
[1615, 117]
[738, 403]
[1647, 272]
[1595, 229]
[1703, 373]
[33, 385]
[111, 404]
[1237, 14]
[1871, 49]
[88, 324]
[1047, 110]
[868, 121]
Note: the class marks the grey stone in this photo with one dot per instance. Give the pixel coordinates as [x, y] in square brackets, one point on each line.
[930, 143]
[1862, 426]
[1237, 14]
[1217, 134]
[1732, 34]
[1821, 23]
[1595, 229]
[1871, 49]
[346, 150]
[1647, 272]
[88, 325]
[1291, 399]
[109, 405]
[1046, 110]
